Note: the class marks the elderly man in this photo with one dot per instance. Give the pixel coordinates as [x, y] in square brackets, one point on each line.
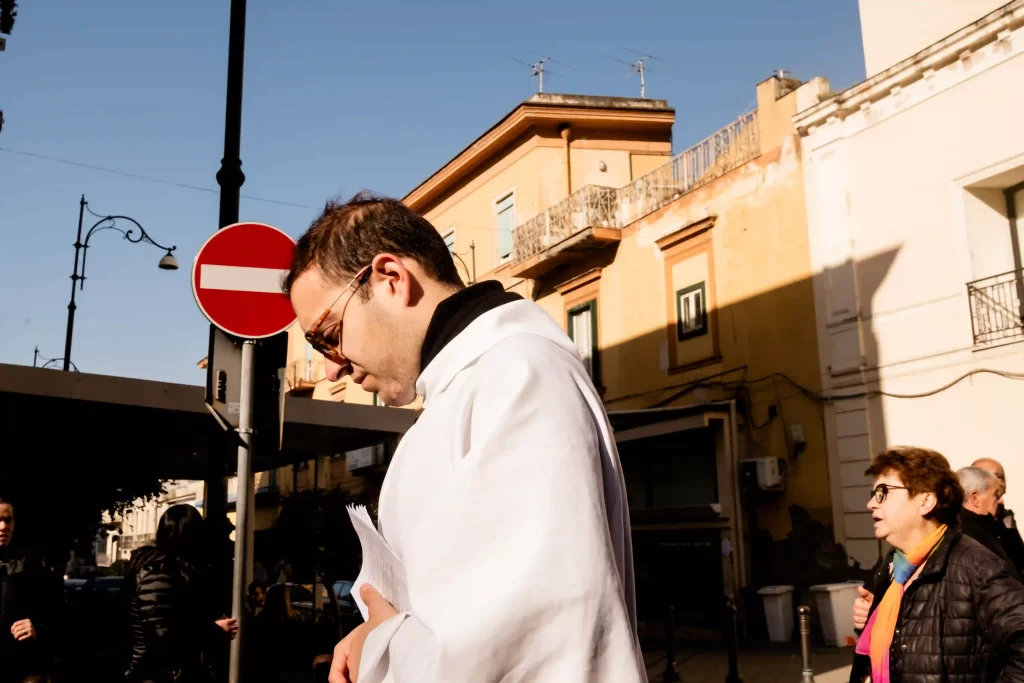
[982, 492]
[1009, 536]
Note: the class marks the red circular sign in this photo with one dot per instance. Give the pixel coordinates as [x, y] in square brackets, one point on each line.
[237, 276]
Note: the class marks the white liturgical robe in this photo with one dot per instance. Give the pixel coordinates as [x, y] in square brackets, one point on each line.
[506, 504]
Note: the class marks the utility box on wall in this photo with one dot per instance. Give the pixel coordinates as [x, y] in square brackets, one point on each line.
[763, 474]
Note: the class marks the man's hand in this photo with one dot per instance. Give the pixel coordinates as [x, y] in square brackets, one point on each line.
[861, 607]
[23, 630]
[229, 625]
[345, 666]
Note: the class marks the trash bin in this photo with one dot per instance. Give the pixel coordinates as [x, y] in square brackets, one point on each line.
[835, 610]
[778, 611]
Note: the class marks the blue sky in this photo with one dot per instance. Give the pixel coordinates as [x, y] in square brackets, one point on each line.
[338, 97]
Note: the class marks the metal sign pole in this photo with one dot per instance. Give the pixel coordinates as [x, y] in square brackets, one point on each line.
[243, 513]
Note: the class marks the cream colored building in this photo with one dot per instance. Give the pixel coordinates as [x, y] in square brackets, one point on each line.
[137, 526]
[914, 180]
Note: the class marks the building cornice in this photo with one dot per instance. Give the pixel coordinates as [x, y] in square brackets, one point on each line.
[596, 112]
[996, 27]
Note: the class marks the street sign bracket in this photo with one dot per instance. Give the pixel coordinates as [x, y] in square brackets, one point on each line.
[223, 423]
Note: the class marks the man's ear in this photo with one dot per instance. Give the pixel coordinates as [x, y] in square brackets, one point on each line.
[389, 272]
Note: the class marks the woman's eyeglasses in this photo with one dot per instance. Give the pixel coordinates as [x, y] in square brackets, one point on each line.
[881, 492]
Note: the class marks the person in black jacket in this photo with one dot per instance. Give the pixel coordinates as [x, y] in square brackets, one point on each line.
[23, 606]
[982, 492]
[173, 614]
[945, 608]
[1009, 536]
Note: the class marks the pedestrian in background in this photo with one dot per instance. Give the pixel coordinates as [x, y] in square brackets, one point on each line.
[1009, 534]
[982, 492]
[23, 609]
[173, 614]
[945, 608]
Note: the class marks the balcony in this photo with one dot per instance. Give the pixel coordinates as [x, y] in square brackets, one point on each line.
[300, 376]
[996, 313]
[708, 160]
[585, 220]
[592, 218]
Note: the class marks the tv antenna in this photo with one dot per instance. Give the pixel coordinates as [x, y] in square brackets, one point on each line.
[537, 69]
[639, 66]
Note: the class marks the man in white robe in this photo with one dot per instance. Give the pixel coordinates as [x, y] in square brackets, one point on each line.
[505, 502]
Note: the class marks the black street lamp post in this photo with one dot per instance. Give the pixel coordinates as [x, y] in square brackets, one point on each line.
[168, 262]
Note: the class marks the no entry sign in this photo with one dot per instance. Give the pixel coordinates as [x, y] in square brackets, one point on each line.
[236, 279]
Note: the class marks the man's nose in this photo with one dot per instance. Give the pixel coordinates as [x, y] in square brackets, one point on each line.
[335, 370]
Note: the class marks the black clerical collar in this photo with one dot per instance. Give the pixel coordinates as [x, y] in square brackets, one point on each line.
[455, 313]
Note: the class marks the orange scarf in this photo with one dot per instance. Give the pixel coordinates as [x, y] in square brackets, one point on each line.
[876, 639]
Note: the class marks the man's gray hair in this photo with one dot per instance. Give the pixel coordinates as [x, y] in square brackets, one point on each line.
[975, 479]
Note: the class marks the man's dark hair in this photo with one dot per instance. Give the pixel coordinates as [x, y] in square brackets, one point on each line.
[346, 237]
[923, 470]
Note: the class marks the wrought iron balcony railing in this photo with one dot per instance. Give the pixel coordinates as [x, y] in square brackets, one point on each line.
[595, 206]
[713, 157]
[996, 313]
[591, 206]
[300, 374]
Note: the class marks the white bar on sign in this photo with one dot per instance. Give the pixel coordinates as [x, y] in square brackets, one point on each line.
[241, 278]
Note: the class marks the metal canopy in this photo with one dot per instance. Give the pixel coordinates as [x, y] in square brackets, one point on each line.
[161, 428]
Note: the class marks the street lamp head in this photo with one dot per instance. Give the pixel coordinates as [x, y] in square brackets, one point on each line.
[168, 262]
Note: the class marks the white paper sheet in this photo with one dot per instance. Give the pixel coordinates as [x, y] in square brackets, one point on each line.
[381, 568]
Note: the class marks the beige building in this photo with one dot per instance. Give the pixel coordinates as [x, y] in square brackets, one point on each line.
[685, 281]
[914, 198]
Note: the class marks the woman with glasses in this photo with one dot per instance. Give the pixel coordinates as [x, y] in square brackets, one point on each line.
[945, 607]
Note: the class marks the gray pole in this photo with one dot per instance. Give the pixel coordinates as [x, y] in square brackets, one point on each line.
[243, 511]
[805, 643]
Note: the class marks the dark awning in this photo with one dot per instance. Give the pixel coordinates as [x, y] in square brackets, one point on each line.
[160, 428]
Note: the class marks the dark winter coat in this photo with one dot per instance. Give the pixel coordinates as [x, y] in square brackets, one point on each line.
[988, 531]
[961, 620]
[23, 595]
[171, 618]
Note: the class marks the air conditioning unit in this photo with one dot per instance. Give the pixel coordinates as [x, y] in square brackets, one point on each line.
[764, 474]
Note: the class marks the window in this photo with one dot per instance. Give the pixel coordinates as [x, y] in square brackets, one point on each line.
[449, 241]
[505, 210]
[691, 312]
[582, 325]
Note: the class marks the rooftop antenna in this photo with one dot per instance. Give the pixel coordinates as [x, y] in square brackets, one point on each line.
[639, 66]
[537, 69]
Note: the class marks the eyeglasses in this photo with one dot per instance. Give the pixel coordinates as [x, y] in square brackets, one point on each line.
[316, 337]
[881, 492]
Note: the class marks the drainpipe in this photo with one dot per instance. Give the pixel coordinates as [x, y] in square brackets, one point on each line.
[565, 130]
[740, 571]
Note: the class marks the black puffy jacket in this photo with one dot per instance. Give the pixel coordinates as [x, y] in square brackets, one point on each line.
[961, 620]
[170, 617]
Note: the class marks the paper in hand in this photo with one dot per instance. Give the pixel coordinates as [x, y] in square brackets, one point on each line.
[381, 568]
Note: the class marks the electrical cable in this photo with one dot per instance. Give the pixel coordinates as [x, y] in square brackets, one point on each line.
[151, 179]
